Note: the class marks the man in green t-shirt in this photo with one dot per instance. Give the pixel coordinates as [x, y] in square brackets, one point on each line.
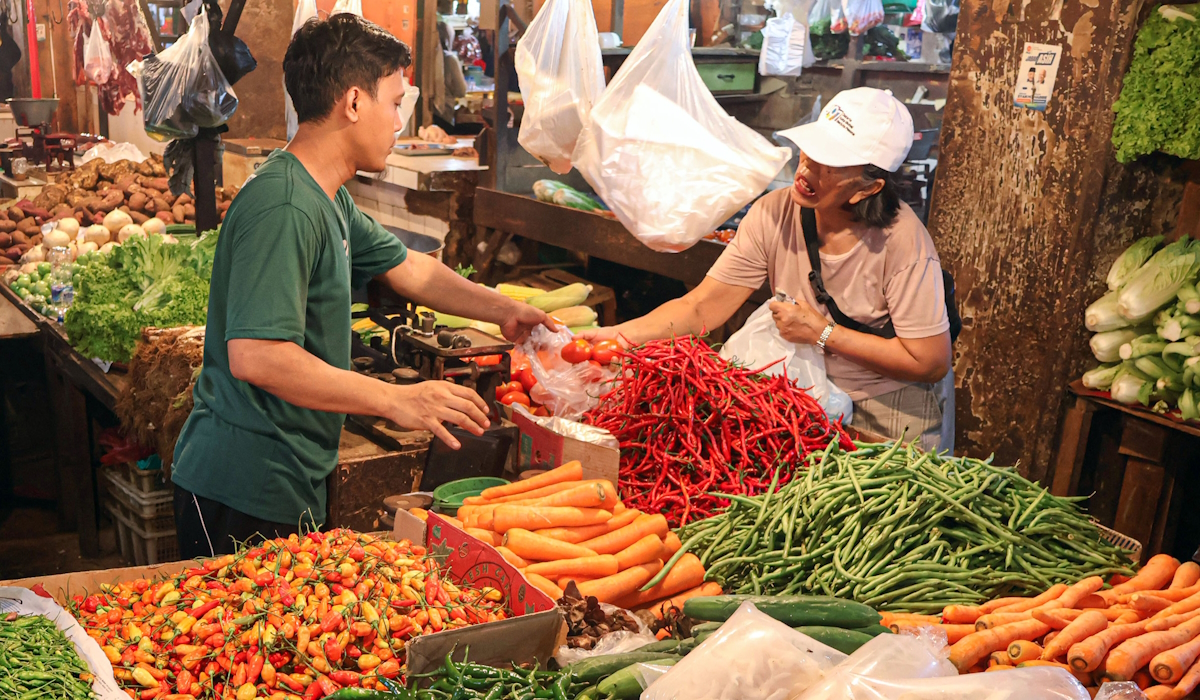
[276, 385]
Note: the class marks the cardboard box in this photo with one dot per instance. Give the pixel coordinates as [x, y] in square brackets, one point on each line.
[533, 633]
[542, 448]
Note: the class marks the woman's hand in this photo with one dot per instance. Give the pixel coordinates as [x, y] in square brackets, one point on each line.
[799, 322]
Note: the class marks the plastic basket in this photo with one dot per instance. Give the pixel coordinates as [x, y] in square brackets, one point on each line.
[1123, 541]
[148, 481]
[146, 506]
[137, 545]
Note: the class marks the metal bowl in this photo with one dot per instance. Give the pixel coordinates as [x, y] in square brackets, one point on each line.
[418, 241]
[32, 112]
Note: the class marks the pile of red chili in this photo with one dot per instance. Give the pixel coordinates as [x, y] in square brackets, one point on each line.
[690, 424]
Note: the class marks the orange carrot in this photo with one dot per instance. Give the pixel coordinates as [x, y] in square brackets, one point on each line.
[512, 558]
[563, 581]
[593, 567]
[1172, 594]
[618, 508]
[1077, 592]
[644, 550]
[623, 583]
[993, 605]
[707, 589]
[1088, 654]
[1050, 594]
[956, 632]
[419, 513]
[571, 471]
[1188, 683]
[1188, 604]
[1093, 601]
[907, 625]
[1024, 650]
[1059, 618]
[1129, 656]
[1081, 677]
[974, 647]
[507, 517]
[672, 543]
[1166, 623]
[1128, 616]
[544, 585]
[575, 535]
[998, 618]
[687, 573]
[887, 618]
[1144, 679]
[537, 548]
[999, 658]
[1159, 692]
[1050, 637]
[485, 536]
[1170, 665]
[617, 540]
[599, 494]
[529, 495]
[1149, 603]
[1188, 574]
[1156, 574]
[961, 614]
[1084, 626]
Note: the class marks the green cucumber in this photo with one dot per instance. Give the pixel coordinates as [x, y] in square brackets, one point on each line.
[595, 668]
[180, 229]
[873, 630]
[844, 640]
[706, 627]
[790, 610]
[624, 684]
[665, 646]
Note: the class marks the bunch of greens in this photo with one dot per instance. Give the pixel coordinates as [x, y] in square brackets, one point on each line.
[143, 282]
[1159, 107]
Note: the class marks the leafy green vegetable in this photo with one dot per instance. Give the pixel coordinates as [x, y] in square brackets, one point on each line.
[1159, 107]
[465, 271]
[141, 283]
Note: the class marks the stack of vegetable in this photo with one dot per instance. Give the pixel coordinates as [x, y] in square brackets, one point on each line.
[145, 282]
[557, 527]
[555, 192]
[564, 304]
[898, 529]
[693, 427]
[1147, 328]
[37, 660]
[1146, 629]
[328, 610]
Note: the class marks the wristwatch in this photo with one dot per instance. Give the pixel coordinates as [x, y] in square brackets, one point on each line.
[825, 335]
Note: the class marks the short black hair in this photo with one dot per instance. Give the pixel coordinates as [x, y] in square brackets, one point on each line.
[880, 209]
[327, 57]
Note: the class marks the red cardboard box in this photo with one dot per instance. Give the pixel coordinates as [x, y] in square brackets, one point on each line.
[542, 448]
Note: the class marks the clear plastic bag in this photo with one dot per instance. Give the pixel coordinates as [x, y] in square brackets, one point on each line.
[612, 643]
[785, 47]
[111, 152]
[183, 88]
[862, 15]
[353, 7]
[820, 16]
[886, 657]
[662, 153]
[98, 63]
[1037, 683]
[305, 10]
[758, 344]
[751, 657]
[561, 75]
[1124, 690]
[941, 16]
[566, 390]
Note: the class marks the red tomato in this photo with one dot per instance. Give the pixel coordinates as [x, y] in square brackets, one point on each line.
[508, 387]
[486, 360]
[526, 378]
[515, 397]
[578, 350]
[606, 351]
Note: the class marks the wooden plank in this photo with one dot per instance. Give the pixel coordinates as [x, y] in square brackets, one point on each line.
[13, 323]
[1072, 448]
[639, 14]
[1144, 440]
[73, 458]
[1108, 474]
[1140, 494]
[1137, 410]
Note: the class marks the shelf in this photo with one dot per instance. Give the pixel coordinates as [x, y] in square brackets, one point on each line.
[886, 66]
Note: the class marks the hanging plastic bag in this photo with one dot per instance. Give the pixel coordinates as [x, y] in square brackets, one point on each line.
[784, 47]
[819, 17]
[566, 390]
[862, 15]
[305, 10]
[758, 344]
[660, 151]
[561, 76]
[353, 7]
[183, 89]
[941, 16]
[837, 18]
[97, 57]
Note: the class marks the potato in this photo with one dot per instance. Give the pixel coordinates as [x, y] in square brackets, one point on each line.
[29, 225]
[139, 218]
[14, 253]
[112, 200]
[36, 239]
[166, 217]
[184, 198]
[7, 226]
[177, 212]
[16, 213]
[137, 201]
[160, 204]
[189, 211]
[5, 240]
[19, 237]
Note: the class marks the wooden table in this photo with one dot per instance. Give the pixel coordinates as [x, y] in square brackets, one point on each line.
[1133, 462]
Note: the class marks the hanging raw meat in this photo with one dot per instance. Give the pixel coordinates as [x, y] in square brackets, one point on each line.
[128, 40]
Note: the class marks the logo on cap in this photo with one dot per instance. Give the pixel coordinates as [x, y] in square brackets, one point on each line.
[838, 116]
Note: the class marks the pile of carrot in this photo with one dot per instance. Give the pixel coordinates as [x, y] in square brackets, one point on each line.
[558, 527]
[1145, 629]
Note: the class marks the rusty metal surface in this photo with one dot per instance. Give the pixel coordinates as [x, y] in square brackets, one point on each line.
[1029, 208]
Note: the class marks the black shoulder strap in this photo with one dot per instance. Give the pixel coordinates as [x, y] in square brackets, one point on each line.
[808, 220]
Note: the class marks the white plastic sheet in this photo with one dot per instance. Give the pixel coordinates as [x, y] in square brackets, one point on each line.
[98, 63]
[111, 152]
[659, 150]
[1037, 683]
[561, 74]
[784, 48]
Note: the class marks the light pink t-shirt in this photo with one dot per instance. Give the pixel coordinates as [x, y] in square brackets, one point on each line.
[890, 273]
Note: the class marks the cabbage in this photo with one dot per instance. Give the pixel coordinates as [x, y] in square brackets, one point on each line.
[1102, 315]
[1101, 377]
[1107, 346]
[1134, 257]
[1157, 282]
[1128, 388]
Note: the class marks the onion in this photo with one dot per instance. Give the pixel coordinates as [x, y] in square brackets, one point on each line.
[96, 234]
[69, 226]
[58, 238]
[107, 247]
[154, 225]
[86, 247]
[129, 230]
[116, 220]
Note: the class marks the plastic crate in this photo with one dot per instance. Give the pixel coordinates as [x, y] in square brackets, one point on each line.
[147, 481]
[137, 545]
[1123, 541]
[153, 513]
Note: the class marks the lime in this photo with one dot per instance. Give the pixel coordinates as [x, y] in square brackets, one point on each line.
[43, 269]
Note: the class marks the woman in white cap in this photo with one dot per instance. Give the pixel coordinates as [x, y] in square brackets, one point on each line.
[877, 305]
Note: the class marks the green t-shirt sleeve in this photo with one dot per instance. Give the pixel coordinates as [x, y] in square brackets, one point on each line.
[271, 263]
[373, 249]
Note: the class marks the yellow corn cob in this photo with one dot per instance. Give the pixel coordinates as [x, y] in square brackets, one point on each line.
[573, 316]
[517, 292]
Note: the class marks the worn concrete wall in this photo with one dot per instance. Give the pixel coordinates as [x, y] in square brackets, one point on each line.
[266, 27]
[1029, 208]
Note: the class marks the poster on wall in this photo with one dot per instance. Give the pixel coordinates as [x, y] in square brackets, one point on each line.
[1035, 76]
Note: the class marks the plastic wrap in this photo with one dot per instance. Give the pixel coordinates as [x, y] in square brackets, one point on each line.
[886, 657]
[571, 429]
[566, 390]
[111, 152]
[862, 15]
[941, 16]
[183, 88]
[820, 16]
[758, 344]
[98, 63]
[1037, 683]
[561, 76]
[785, 47]
[751, 657]
[617, 642]
[659, 150]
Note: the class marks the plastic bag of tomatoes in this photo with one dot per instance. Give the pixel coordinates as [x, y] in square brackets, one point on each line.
[563, 374]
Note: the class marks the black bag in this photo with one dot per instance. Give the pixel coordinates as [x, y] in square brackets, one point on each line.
[808, 220]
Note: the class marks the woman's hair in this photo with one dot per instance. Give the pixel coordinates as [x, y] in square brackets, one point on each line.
[882, 208]
[446, 36]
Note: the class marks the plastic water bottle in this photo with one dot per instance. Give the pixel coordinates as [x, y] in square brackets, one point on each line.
[62, 292]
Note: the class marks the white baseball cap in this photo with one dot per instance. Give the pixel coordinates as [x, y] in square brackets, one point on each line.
[858, 127]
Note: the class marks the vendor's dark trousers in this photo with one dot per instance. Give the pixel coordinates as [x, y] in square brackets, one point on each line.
[206, 528]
